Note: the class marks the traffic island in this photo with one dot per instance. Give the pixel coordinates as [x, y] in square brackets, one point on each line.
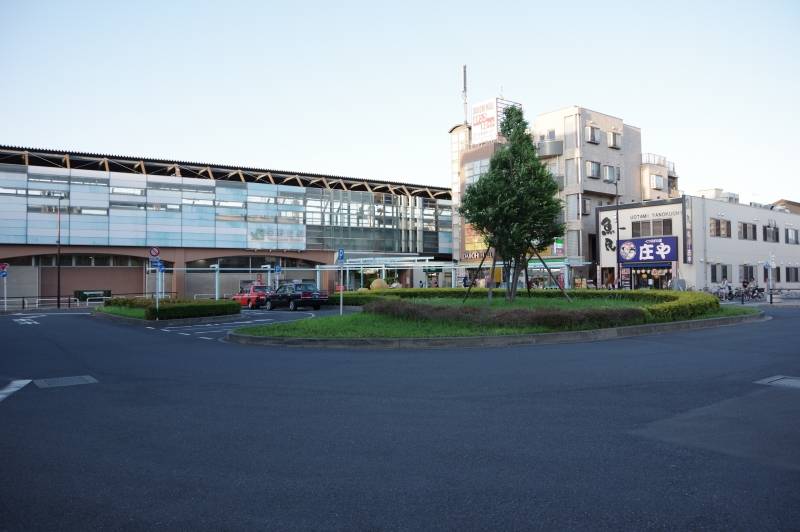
[443, 320]
[460, 342]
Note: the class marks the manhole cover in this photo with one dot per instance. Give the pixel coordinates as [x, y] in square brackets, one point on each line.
[781, 380]
[64, 381]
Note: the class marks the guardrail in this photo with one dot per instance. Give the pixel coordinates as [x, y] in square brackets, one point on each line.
[37, 302]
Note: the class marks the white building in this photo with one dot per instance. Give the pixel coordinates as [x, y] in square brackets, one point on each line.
[708, 239]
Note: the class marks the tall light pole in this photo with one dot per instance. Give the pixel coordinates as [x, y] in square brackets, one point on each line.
[616, 194]
[58, 254]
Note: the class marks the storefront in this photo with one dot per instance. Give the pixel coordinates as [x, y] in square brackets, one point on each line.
[648, 262]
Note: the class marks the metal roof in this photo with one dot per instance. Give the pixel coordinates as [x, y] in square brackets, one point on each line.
[151, 166]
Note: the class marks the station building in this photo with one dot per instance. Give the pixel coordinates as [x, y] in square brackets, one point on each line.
[107, 212]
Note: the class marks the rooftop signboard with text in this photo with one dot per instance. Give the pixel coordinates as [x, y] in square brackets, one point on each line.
[647, 250]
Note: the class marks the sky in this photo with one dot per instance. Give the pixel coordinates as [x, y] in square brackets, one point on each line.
[370, 89]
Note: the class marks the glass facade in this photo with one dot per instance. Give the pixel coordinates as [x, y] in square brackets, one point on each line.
[128, 209]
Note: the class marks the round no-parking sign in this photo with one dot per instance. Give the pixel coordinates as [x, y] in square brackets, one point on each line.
[154, 251]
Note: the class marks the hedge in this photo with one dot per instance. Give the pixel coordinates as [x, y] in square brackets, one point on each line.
[660, 305]
[172, 309]
[512, 317]
[193, 309]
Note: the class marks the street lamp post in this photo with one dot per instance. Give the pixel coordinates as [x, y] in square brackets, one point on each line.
[616, 248]
[58, 255]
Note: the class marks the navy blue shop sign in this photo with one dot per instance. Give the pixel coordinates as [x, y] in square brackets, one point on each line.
[648, 250]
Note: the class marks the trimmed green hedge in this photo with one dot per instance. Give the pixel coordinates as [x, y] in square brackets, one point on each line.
[659, 305]
[193, 309]
[174, 309]
[509, 317]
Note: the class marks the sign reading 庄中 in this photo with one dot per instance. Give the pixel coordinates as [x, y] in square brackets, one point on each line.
[652, 249]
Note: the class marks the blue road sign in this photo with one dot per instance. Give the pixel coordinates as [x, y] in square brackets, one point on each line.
[3, 274]
[161, 267]
[340, 255]
[277, 268]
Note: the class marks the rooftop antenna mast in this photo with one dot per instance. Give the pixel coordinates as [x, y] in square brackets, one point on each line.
[464, 93]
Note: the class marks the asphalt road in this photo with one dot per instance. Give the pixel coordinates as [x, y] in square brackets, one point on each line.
[180, 433]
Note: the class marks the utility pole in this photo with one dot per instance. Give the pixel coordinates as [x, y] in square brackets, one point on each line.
[58, 255]
[616, 246]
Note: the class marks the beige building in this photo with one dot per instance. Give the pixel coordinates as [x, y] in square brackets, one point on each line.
[595, 158]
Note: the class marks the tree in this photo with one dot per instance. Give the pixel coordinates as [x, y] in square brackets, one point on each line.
[515, 204]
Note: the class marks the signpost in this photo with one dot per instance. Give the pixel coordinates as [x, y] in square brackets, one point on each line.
[340, 260]
[4, 275]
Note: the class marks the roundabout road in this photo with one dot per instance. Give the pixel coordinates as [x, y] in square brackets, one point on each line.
[157, 430]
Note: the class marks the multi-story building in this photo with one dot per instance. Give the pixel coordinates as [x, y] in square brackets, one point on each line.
[596, 160]
[106, 212]
[697, 242]
[659, 180]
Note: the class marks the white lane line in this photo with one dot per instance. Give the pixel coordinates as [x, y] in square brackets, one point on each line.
[13, 386]
[184, 334]
[211, 330]
[149, 327]
[26, 321]
[205, 337]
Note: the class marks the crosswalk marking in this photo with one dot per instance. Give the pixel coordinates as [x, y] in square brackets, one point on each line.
[13, 386]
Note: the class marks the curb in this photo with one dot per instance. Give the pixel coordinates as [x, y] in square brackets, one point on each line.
[178, 321]
[494, 341]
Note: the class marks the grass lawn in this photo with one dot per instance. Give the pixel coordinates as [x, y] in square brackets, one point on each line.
[123, 311]
[365, 325]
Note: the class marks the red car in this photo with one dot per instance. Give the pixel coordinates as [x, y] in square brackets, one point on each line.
[254, 297]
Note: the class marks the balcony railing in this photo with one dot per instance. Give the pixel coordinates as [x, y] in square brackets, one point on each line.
[549, 148]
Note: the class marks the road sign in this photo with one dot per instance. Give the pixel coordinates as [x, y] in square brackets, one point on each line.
[3, 273]
[154, 251]
[340, 256]
[3, 266]
[161, 267]
[277, 268]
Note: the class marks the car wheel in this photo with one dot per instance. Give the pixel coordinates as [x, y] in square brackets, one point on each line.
[292, 305]
[268, 305]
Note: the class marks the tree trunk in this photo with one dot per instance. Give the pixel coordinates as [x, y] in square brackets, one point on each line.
[491, 277]
[519, 262]
[551, 276]
[527, 281]
[471, 281]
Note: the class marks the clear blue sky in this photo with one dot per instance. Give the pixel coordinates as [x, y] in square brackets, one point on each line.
[370, 91]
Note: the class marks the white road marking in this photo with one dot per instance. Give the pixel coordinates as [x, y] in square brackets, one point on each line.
[149, 327]
[26, 321]
[184, 334]
[13, 386]
[205, 337]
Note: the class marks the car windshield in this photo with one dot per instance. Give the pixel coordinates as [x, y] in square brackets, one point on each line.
[307, 287]
[260, 288]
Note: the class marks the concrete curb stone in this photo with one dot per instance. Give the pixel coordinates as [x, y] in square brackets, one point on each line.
[493, 341]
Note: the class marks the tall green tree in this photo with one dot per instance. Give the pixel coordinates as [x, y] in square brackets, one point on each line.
[515, 204]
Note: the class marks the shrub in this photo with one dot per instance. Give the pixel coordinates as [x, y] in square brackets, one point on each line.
[660, 306]
[128, 302]
[169, 310]
[685, 306]
[551, 318]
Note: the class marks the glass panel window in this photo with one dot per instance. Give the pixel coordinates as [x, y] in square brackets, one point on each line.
[593, 169]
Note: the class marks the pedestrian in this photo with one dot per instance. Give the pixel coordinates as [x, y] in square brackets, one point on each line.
[420, 283]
